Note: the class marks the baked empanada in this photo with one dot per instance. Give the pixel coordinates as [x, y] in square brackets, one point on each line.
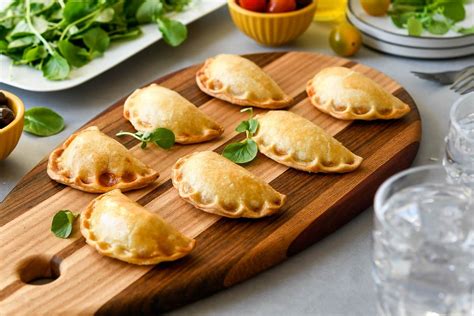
[296, 142]
[240, 81]
[348, 95]
[154, 106]
[120, 228]
[93, 162]
[216, 185]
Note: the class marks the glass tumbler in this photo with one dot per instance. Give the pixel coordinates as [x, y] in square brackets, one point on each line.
[459, 154]
[423, 245]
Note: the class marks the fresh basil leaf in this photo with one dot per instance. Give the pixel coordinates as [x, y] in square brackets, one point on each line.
[243, 152]
[75, 55]
[415, 28]
[42, 121]
[56, 68]
[96, 39]
[242, 127]
[174, 32]
[34, 53]
[149, 10]
[61, 225]
[163, 137]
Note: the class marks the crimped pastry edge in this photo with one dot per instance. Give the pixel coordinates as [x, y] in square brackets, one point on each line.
[76, 183]
[109, 251]
[215, 206]
[202, 79]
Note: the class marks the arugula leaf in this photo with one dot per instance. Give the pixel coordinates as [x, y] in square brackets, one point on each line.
[56, 68]
[75, 55]
[162, 137]
[97, 40]
[243, 152]
[42, 121]
[61, 225]
[174, 32]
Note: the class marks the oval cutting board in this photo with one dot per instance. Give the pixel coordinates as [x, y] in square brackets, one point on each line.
[228, 251]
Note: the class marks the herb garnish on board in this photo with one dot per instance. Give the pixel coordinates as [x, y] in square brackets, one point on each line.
[246, 150]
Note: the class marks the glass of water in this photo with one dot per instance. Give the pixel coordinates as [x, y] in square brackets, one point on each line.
[459, 154]
[423, 245]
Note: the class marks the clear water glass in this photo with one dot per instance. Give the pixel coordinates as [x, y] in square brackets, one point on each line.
[423, 245]
[459, 154]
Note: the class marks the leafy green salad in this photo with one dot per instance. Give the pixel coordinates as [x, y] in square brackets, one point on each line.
[55, 36]
[435, 16]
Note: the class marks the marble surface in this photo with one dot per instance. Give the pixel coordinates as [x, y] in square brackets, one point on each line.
[333, 277]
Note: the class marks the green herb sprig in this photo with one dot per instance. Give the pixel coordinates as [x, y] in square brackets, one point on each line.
[42, 121]
[435, 16]
[246, 150]
[162, 137]
[62, 223]
[55, 36]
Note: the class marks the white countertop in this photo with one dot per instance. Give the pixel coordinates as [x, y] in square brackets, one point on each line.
[333, 277]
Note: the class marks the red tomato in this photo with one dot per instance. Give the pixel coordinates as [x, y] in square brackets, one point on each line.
[277, 6]
[253, 5]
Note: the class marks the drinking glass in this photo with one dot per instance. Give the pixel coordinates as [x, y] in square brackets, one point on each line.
[423, 245]
[459, 154]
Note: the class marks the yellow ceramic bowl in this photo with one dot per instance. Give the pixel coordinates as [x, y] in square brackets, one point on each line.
[10, 134]
[272, 29]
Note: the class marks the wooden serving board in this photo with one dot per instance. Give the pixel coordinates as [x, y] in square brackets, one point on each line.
[228, 251]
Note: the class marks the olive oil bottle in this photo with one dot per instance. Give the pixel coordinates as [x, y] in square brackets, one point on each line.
[330, 10]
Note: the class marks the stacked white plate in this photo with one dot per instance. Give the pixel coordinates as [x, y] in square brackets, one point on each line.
[381, 34]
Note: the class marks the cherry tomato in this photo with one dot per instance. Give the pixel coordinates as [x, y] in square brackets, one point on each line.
[375, 7]
[253, 5]
[278, 6]
[345, 39]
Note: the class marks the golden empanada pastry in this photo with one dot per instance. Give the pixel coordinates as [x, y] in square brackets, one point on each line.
[91, 161]
[240, 81]
[120, 228]
[216, 185]
[296, 142]
[154, 106]
[348, 95]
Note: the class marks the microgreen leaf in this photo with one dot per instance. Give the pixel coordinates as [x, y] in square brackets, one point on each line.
[56, 68]
[174, 32]
[61, 225]
[242, 127]
[162, 137]
[42, 121]
[34, 53]
[149, 10]
[415, 28]
[97, 40]
[243, 152]
[75, 55]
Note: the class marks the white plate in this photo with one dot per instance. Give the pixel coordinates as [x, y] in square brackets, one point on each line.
[413, 52]
[25, 77]
[383, 28]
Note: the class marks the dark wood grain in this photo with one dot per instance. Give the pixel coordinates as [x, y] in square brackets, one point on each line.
[228, 251]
